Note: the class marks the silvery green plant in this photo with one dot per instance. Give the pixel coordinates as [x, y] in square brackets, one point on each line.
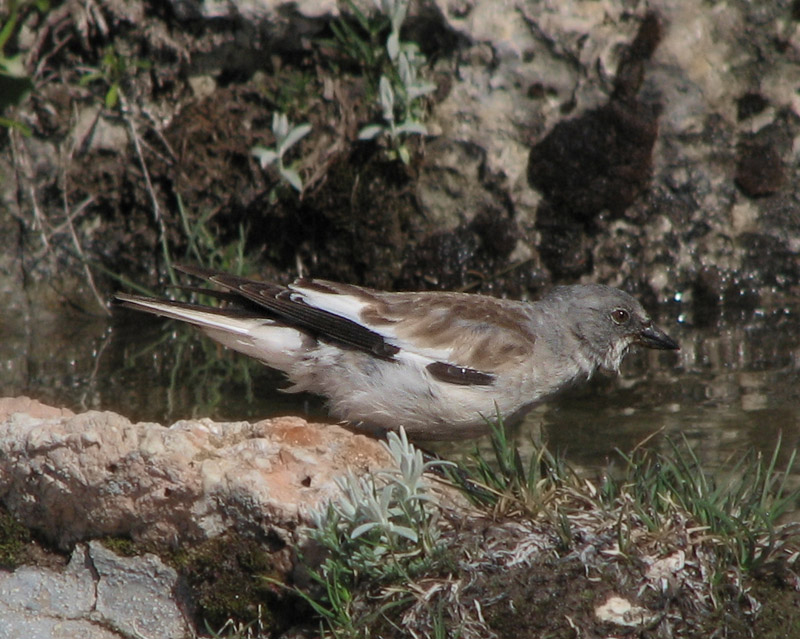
[414, 499]
[394, 130]
[399, 91]
[286, 136]
[390, 514]
[397, 11]
[409, 62]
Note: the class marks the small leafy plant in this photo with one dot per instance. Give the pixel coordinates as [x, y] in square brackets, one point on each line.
[286, 136]
[393, 130]
[400, 89]
[15, 83]
[393, 69]
[381, 529]
[114, 69]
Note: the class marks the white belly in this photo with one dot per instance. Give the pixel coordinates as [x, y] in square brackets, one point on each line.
[391, 394]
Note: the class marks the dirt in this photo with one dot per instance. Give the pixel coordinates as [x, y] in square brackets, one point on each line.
[140, 159]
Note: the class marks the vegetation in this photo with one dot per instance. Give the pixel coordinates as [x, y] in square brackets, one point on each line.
[383, 529]
[738, 507]
[114, 70]
[14, 538]
[180, 209]
[390, 546]
[15, 83]
[397, 65]
[286, 136]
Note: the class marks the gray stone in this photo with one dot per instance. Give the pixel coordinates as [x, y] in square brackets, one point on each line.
[69, 594]
[98, 595]
[137, 595]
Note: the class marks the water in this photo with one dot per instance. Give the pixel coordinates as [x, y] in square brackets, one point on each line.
[734, 386]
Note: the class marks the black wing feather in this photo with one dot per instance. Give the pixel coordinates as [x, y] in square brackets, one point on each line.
[319, 323]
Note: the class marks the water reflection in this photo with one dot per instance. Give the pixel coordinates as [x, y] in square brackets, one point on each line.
[733, 387]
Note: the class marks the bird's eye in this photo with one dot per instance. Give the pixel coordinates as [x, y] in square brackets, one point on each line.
[620, 316]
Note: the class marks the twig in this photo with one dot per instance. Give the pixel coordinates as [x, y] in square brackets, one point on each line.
[159, 218]
[20, 160]
[76, 243]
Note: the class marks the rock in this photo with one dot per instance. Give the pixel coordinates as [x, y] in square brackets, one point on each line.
[452, 187]
[31, 407]
[98, 595]
[724, 81]
[224, 504]
[759, 171]
[536, 101]
[95, 474]
[136, 595]
[602, 160]
[621, 612]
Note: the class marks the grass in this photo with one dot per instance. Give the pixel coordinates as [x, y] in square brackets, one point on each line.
[508, 485]
[739, 505]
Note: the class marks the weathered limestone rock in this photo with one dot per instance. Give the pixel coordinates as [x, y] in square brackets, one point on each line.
[73, 477]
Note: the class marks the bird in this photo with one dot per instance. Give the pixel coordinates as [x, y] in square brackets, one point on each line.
[439, 364]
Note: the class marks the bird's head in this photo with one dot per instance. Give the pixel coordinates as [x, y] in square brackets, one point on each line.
[607, 321]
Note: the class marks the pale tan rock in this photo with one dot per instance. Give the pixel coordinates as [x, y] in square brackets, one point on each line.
[94, 474]
[32, 407]
[622, 612]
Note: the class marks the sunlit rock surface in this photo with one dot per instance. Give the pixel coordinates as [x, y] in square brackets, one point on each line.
[73, 477]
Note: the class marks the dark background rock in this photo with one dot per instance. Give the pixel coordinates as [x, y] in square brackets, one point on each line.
[637, 149]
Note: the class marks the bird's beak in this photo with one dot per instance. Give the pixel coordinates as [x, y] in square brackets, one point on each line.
[654, 337]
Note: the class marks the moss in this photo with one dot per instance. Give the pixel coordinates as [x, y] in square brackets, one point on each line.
[122, 546]
[229, 578]
[14, 539]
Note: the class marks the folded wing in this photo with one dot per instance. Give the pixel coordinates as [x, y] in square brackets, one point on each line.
[459, 338]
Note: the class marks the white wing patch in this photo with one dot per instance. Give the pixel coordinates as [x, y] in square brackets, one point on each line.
[346, 306]
[277, 346]
[350, 307]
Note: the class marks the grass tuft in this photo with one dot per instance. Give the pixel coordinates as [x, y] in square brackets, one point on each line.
[739, 506]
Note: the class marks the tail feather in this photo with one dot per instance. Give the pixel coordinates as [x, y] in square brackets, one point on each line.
[242, 330]
[233, 320]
